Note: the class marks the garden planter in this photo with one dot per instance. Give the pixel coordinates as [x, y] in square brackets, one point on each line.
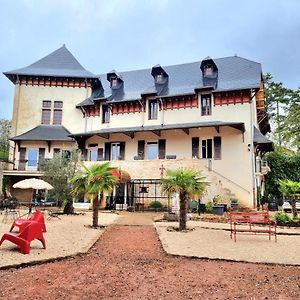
[218, 209]
[201, 208]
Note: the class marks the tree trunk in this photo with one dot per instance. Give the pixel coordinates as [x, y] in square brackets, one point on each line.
[95, 211]
[69, 209]
[294, 209]
[182, 211]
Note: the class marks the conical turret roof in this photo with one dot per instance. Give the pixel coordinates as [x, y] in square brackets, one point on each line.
[60, 63]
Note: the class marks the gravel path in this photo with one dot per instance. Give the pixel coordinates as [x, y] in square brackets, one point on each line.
[216, 244]
[128, 262]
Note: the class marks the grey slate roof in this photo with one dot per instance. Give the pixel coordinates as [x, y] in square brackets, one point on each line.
[45, 133]
[261, 141]
[259, 138]
[60, 63]
[234, 73]
[237, 125]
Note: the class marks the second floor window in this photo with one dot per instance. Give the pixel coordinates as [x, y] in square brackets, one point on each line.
[48, 111]
[105, 114]
[205, 105]
[46, 116]
[57, 116]
[153, 109]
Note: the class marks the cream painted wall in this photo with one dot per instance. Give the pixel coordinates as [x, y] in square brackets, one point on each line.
[233, 171]
[41, 144]
[28, 106]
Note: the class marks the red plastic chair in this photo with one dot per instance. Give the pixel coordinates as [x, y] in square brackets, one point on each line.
[32, 231]
[22, 223]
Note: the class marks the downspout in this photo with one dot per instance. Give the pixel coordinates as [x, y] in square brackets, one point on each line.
[17, 104]
[252, 152]
[143, 111]
[163, 112]
[85, 116]
[87, 95]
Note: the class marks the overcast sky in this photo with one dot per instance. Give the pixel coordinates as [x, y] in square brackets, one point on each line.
[134, 34]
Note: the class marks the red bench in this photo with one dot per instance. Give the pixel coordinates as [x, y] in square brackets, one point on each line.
[252, 222]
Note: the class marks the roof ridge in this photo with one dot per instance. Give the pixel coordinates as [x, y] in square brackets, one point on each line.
[187, 63]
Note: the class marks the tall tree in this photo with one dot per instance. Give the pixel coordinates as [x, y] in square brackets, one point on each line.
[283, 107]
[58, 172]
[187, 183]
[284, 165]
[5, 127]
[94, 181]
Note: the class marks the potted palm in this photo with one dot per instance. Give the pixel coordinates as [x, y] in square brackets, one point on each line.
[218, 209]
[188, 184]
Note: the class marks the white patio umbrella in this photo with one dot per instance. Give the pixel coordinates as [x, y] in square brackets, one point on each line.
[33, 183]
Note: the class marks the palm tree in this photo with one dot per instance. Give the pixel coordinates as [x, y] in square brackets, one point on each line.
[188, 183]
[291, 190]
[93, 181]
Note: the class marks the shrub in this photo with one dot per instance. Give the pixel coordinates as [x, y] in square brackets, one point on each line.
[155, 204]
[216, 199]
[209, 207]
[234, 201]
[282, 217]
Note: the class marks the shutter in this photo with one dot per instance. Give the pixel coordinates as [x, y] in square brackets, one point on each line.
[122, 150]
[161, 149]
[141, 149]
[83, 154]
[209, 148]
[100, 154]
[56, 151]
[195, 147]
[107, 149]
[22, 160]
[217, 147]
[41, 158]
[41, 153]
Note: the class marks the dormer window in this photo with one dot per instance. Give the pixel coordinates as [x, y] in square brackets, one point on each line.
[114, 82]
[208, 71]
[159, 78]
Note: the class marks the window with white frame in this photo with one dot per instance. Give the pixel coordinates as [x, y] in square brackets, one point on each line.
[152, 150]
[152, 110]
[205, 105]
[207, 148]
[115, 151]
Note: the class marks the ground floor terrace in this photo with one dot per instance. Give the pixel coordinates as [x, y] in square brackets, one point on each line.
[225, 153]
[128, 261]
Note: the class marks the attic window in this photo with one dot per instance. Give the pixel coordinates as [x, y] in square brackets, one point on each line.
[159, 78]
[114, 82]
[208, 71]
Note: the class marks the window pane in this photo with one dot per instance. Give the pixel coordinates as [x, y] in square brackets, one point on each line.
[152, 151]
[93, 154]
[115, 151]
[33, 157]
[46, 115]
[209, 148]
[46, 103]
[205, 105]
[57, 116]
[153, 109]
[204, 149]
[58, 104]
[105, 114]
